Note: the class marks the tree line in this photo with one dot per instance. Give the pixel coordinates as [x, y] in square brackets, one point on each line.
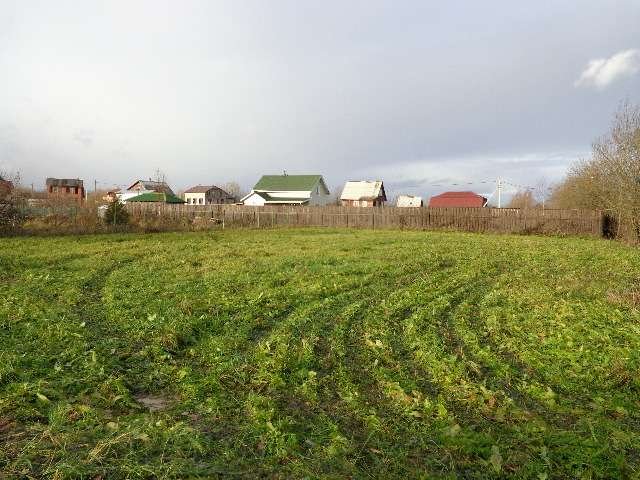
[608, 179]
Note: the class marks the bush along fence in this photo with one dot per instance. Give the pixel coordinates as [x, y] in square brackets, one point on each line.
[532, 221]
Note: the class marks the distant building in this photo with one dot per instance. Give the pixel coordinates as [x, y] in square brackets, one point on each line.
[363, 194]
[207, 195]
[5, 188]
[288, 190]
[155, 197]
[111, 196]
[409, 201]
[150, 186]
[139, 187]
[458, 199]
[65, 189]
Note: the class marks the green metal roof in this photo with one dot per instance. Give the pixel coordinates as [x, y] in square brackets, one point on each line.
[158, 197]
[283, 183]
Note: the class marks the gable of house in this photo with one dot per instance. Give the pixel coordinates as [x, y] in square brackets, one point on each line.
[364, 190]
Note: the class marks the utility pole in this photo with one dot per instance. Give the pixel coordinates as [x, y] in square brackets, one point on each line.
[499, 192]
[95, 185]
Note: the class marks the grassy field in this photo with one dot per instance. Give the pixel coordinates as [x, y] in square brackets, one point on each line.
[319, 353]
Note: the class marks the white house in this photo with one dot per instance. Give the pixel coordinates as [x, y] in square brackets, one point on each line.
[408, 201]
[288, 190]
[366, 193]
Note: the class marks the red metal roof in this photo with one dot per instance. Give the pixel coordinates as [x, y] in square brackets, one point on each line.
[457, 199]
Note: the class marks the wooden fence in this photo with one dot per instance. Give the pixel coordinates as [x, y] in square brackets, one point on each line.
[570, 222]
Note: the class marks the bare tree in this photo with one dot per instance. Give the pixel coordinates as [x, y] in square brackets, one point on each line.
[159, 176]
[523, 199]
[610, 178]
[9, 184]
[11, 215]
[541, 191]
[233, 189]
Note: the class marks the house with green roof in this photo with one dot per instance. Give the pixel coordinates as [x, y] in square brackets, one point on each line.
[288, 190]
[155, 197]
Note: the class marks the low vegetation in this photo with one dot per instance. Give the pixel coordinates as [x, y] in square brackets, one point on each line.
[319, 353]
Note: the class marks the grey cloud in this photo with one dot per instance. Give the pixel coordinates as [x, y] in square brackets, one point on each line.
[212, 92]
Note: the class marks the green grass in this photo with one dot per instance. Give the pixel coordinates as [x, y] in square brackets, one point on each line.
[319, 353]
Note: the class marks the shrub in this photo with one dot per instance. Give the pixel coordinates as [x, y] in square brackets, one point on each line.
[11, 217]
[116, 214]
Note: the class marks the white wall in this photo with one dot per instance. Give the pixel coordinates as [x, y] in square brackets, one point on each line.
[191, 197]
[290, 194]
[254, 200]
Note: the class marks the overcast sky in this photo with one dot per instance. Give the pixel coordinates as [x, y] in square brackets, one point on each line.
[415, 93]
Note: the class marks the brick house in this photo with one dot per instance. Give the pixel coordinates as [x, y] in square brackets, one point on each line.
[65, 189]
[5, 188]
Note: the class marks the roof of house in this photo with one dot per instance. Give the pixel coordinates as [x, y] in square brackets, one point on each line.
[363, 190]
[287, 183]
[409, 201]
[205, 189]
[64, 182]
[457, 199]
[159, 197]
[152, 185]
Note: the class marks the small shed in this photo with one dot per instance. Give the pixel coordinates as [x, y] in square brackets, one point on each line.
[367, 193]
[458, 199]
[409, 201]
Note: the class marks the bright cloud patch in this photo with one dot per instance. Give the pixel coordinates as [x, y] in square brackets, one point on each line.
[602, 72]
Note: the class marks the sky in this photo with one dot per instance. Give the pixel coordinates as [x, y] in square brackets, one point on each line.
[426, 96]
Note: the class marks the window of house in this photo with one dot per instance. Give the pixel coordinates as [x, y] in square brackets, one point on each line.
[201, 201]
